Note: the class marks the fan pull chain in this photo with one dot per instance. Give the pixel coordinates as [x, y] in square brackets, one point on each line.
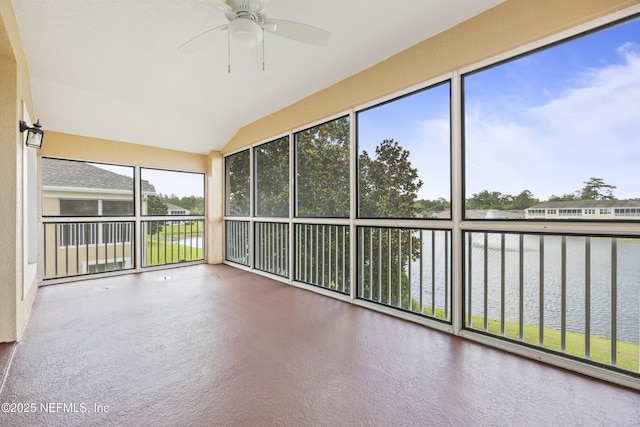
[263, 49]
[228, 52]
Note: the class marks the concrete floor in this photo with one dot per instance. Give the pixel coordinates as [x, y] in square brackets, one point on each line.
[213, 345]
[6, 353]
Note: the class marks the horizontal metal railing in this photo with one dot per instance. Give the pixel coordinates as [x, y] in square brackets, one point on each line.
[322, 256]
[575, 295]
[172, 241]
[237, 242]
[79, 248]
[407, 269]
[272, 247]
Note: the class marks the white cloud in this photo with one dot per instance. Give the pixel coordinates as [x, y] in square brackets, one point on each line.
[591, 130]
[430, 154]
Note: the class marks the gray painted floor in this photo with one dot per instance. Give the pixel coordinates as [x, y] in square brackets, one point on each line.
[214, 345]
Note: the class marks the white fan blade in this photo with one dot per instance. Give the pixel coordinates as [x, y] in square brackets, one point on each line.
[219, 4]
[298, 31]
[261, 5]
[202, 40]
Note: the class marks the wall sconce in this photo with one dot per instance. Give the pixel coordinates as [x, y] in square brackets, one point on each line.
[34, 134]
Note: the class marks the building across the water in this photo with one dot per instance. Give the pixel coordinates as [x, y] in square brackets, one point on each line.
[176, 210]
[585, 209]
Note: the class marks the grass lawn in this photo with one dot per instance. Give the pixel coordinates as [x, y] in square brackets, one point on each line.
[160, 253]
[627, 354]
[182, 230]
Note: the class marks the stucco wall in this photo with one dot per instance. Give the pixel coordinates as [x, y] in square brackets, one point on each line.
[507, 26]
[14, 90]
[8, 272]
[214, 209]
[62, 145]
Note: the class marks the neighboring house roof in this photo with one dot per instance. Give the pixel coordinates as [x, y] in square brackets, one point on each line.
[75, 174]
[569, 204]
[172, 207]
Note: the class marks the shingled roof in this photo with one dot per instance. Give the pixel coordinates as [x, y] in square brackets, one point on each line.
[577, 204]
[73, 174]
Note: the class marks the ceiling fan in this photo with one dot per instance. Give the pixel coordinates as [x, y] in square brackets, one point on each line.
[247, 22]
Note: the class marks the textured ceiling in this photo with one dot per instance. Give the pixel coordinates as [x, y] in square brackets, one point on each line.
[111, 68]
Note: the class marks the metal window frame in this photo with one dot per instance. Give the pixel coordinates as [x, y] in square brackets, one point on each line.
[458, 225]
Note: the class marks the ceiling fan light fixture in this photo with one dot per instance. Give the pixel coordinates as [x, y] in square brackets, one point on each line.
[245, 32]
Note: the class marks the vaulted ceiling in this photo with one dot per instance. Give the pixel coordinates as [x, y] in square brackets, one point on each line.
[112, 69]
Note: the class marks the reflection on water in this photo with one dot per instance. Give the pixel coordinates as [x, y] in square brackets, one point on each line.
[613, 268]
[431, 274]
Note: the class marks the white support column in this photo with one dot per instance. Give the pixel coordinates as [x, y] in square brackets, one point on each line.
[140, 238]
[292, 231]
[457, 208]
[214, 227]
[353, 183]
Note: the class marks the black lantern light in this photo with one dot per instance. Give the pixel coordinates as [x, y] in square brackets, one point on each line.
[35, 135]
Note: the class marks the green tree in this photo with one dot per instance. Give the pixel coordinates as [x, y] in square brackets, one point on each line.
[155, 206]
[322, 182]
[596, 189]
[173, 199]
[238, 185]
[486, 200]
[271, 168]
[388, 184]
[272, 178]
[523, 201]
[563, 198]
[430, 207]
[496, 200]
[385, 277]
[322, 170]
[388, 187]
[194, 204]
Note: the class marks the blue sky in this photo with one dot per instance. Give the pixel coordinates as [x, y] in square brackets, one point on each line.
[420, 124]
[549, 121]
[545, 122]
[182, 184]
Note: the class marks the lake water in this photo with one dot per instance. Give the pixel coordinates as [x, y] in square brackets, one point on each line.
[626, 279]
